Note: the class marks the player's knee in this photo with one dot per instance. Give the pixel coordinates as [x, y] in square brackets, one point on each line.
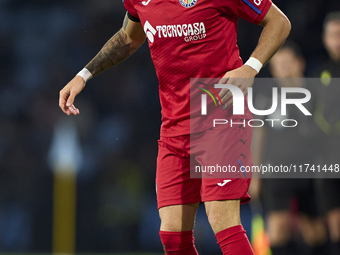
[178, 218]
[279, 228]
[217, 224]
[223, 214]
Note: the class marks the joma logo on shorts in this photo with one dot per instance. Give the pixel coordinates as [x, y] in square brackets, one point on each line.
[190, 32]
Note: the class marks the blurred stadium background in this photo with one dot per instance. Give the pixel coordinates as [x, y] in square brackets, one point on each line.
[114, 147]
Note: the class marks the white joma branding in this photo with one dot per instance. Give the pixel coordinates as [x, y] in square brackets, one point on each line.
[224, 183]
[145, 3]
[190, 32]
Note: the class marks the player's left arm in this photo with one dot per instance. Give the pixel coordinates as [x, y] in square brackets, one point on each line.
[276, 30]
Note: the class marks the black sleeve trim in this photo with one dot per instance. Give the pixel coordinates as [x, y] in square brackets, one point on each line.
[133, 18]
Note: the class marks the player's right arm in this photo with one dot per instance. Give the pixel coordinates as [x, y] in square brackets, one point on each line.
[122, 45]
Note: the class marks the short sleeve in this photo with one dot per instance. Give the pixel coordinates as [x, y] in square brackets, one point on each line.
[250, 10]
[129, 6]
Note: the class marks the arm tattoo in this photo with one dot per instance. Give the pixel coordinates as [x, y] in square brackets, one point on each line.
[114, 51]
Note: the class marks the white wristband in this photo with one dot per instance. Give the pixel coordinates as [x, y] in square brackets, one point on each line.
[254, 63]
[85, 74]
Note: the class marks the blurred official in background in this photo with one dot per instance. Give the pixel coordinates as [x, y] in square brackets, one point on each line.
[290, 204]
[327, 119]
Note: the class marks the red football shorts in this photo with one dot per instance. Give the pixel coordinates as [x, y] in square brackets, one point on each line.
[181, 159]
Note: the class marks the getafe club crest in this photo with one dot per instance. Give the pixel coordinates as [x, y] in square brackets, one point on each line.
[188, 3]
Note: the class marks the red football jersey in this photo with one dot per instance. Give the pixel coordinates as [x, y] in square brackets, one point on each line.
[191, 39]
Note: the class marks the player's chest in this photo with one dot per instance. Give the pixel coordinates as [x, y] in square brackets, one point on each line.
[174, 19]
[174, 10]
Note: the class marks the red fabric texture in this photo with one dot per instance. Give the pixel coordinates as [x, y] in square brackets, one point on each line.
[234, 241]
[193, 42]
[176, 179]
[178, 243]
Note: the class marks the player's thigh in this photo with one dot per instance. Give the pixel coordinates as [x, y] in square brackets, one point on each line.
[177, 218]
[174, 184]
[178, 195]
[223, 214]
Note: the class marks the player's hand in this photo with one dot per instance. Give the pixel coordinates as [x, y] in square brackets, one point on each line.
[242, 77]
[68, 94]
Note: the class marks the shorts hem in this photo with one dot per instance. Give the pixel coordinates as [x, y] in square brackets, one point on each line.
[242, 199]
[176, 202]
